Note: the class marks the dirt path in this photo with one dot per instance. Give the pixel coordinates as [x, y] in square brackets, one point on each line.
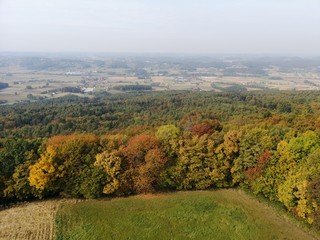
[30, 221]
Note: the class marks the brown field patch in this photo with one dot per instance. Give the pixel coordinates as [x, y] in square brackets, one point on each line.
[29, 221]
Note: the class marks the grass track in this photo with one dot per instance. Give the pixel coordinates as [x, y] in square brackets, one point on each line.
[221, 214]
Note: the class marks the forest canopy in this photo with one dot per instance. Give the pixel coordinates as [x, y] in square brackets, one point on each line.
[134, 143]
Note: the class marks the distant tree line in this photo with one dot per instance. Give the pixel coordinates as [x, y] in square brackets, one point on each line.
[64, 90]
[133, 88]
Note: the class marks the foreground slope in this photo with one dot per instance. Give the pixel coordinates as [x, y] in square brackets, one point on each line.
[222, 214]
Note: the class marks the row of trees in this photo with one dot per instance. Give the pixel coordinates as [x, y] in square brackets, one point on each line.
[271, 160]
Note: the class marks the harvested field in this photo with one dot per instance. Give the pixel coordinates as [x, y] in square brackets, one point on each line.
[29, 221]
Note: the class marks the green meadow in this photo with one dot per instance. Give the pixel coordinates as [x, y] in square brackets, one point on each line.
[221, 214]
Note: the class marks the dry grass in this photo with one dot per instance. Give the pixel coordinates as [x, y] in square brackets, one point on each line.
[29, 221]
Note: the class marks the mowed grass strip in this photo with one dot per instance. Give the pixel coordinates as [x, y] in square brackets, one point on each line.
[221, 214]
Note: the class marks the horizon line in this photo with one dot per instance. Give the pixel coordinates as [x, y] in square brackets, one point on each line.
[200, 54]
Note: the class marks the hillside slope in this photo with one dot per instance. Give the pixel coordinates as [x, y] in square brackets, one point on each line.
[221, 214]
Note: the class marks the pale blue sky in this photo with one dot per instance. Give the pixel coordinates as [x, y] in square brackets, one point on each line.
[162, 26]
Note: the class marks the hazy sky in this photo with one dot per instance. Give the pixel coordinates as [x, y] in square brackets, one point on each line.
[162, 26]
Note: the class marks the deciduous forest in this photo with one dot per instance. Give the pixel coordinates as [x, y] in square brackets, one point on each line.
[125, 144]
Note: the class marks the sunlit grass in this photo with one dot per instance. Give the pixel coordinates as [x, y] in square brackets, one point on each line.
[222, 214]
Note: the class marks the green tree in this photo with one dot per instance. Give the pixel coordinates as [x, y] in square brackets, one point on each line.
[169, 137]
[18, 186]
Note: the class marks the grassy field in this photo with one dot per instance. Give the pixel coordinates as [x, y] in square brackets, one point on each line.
[222, 214]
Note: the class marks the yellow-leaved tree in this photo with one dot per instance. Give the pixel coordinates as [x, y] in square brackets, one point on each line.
[43, 172]
[111, 164]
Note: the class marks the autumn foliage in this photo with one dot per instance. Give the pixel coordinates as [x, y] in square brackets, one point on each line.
[144, 162]
[233, 140]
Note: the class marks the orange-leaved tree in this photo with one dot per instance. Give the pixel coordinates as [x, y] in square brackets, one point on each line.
[145, 161]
